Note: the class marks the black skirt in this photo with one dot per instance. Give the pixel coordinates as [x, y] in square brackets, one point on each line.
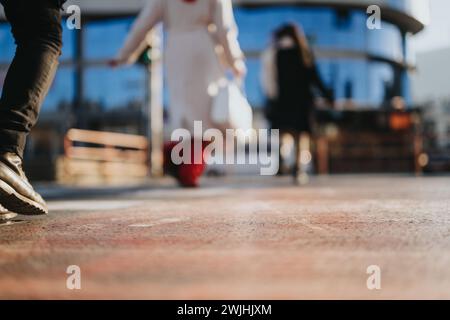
[290, 116]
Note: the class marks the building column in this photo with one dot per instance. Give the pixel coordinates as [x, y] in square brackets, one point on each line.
[156, 104]
[78, 109]
[405, 83]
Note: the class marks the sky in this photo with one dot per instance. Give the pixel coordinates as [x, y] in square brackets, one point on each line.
[437, 33]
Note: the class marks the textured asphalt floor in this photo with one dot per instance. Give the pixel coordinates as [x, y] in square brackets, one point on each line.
[238, 238]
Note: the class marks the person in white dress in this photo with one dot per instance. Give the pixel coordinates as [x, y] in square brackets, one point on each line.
[201, 46]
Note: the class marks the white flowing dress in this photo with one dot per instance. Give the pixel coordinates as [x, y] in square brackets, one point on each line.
[201, 44]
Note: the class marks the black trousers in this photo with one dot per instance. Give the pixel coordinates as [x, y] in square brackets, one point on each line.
[36, 27]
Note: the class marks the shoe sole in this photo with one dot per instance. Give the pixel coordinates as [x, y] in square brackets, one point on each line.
[17, 203]
[5, 217]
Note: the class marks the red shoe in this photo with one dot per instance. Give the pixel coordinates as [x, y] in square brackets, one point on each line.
[187, 175]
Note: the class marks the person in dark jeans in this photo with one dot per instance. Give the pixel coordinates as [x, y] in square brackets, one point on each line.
[36, 27]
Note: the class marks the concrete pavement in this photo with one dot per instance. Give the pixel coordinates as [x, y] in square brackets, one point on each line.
[258, 238]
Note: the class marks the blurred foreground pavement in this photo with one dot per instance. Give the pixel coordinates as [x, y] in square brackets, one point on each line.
[236, 238]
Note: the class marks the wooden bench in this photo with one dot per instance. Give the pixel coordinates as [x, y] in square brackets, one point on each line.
[96, 157]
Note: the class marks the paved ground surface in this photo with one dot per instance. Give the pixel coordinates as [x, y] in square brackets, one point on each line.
[239, 238]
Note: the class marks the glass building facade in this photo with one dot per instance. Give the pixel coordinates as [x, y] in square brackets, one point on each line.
[365, 66]
[343, 44]
[358, 63]
[102, 88]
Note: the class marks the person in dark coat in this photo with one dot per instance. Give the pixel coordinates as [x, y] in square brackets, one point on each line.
[290, 79]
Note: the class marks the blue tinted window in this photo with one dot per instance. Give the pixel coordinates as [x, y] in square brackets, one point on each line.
[119, 88]
[104, 39]
[368, 80]
[257, 25]
[362, 81]
[386, 42]
[343, 19]
[8, 47]
[328, 31]
[68, 50]
[6, 43]
[326, 28]
[62, 90]
[252, 83]
[381, 76]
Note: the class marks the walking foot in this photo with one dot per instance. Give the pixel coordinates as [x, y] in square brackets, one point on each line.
[16, 193]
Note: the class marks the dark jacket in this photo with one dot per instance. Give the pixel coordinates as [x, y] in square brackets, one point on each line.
[293, 108]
